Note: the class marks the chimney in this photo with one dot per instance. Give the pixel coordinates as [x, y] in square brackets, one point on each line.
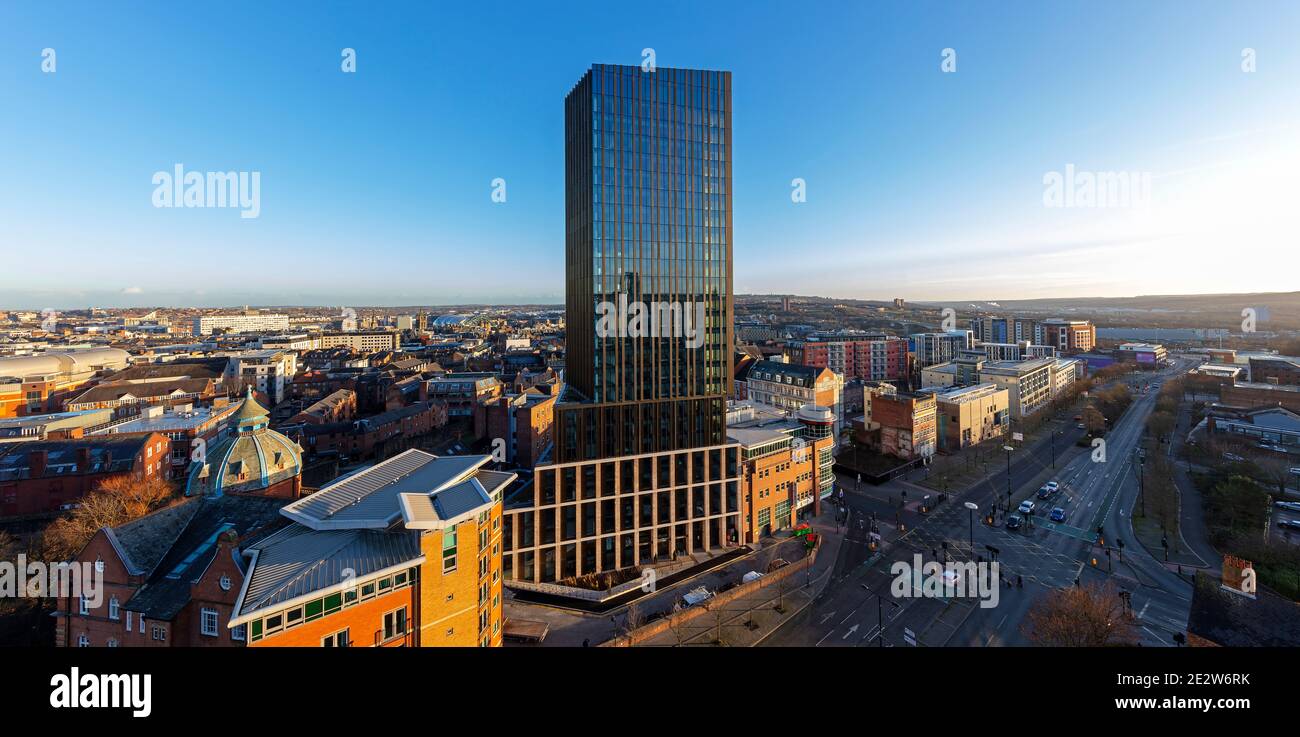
[36, 461]
[83, 460]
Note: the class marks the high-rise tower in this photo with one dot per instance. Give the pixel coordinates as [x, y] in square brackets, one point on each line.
[642, 469]
[647, 222]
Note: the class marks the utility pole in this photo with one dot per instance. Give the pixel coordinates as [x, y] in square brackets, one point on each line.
[1008, 449]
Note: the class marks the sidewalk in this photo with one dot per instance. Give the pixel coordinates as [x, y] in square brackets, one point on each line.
[748, 620]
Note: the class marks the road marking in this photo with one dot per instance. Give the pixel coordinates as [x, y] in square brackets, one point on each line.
[852, 629]
[828, 616]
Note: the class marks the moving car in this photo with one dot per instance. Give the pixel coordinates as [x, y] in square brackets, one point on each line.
[1013, 522]
[1058, 514]
[1026, 507]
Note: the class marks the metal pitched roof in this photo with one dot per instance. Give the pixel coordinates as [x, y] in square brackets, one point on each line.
[298, 562]
[370, 498]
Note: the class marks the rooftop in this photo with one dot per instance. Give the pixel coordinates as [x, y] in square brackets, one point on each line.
[369, 499]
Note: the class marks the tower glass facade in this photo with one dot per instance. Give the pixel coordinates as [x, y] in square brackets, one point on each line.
[648, 222]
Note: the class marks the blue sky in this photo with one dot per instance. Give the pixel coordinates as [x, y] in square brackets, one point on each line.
[375, 186]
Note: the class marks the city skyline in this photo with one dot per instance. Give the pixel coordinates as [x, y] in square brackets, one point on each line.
[920, 182]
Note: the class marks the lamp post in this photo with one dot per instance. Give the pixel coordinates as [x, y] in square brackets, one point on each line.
[972, 506]
[880, 619]
[1008, 449]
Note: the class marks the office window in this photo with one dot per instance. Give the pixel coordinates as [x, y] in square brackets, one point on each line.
[208, 622]
[449, 550]
[341, 638]
[395, 623]
[113, 609]
[83, 640]
[85, 606]
[239, 632]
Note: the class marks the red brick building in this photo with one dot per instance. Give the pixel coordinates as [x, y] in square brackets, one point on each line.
[340, 406]
[171, 578]
[873, 358]
[377, 436]
[43, 477]
[521, 421]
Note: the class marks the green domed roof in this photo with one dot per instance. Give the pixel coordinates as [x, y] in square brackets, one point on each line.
[250, 412]
[247, 458]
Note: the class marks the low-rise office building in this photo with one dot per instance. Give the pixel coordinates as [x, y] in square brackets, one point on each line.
[1029, 384]
[970, 415]
[787, 465]
[1145, 355]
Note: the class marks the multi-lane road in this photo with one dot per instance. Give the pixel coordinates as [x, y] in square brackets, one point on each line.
[1098, 488]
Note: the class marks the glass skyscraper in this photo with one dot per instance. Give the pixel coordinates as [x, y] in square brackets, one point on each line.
[647, 221]
[642, 471]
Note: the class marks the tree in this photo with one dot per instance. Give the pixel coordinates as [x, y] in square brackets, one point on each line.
[1093, 420]
[115, 501]
[1081, 616]
[715, 608]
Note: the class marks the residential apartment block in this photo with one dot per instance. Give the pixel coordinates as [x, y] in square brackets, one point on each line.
[404, 553]
[248, 322]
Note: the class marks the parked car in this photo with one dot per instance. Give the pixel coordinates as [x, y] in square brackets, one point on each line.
[1053, 485]
[1026, 507]
[1058, 514]
[1233, 457]
[1291, 524]
[1013, 522]
[1292, 506]
[1044, 492]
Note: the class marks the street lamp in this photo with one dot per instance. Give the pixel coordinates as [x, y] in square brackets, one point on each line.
[972, 506]
[1008, 449]
[880, 619]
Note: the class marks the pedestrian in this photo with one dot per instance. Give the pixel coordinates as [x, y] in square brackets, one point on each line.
[586, 642]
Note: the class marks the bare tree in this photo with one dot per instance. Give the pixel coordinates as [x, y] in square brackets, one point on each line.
[115, 501]
[1081, 616]
[718, 612]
